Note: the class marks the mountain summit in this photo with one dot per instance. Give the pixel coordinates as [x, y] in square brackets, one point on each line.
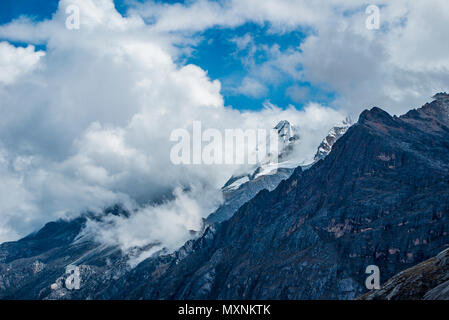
[442, 97]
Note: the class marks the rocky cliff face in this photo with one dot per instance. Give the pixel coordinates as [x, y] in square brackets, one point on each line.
[380, 197]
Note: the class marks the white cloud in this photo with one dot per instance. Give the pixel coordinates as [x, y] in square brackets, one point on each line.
[17, 62]
[297, 93]
[155, 227]
[390, 67]
[202, 14]
[252, 88]
[278, 67]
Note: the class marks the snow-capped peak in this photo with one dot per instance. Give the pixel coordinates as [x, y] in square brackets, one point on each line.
[288, 137]
[334, 134]
[286, 131]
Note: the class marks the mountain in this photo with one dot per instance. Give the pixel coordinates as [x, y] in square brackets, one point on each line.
[30, 266]
[379, 197]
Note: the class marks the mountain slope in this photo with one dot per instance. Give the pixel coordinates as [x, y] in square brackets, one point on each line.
[235, 197]
[380, 197]
[30, 266]
[428, 280]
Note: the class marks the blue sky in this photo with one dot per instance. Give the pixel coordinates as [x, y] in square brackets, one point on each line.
[217, 53]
